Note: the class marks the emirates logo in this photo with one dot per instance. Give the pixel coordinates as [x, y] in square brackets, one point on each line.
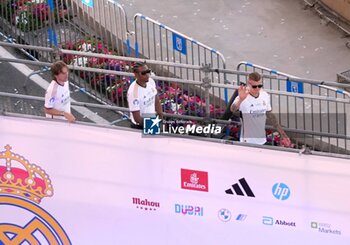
[194, 180]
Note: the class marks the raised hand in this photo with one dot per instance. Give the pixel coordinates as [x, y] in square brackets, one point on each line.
[243, 92]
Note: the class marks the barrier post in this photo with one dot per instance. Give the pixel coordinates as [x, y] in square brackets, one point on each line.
[207, 85]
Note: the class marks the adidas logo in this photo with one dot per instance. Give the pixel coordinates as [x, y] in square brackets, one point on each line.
[237, 189]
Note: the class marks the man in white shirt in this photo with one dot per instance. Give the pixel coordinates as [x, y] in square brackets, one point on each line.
[57, 97]
[142, 96]
[254, 105]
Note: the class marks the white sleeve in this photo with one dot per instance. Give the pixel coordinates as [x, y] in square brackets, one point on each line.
[268, 103]
[133, 101]
[50, 97]
[154, 88]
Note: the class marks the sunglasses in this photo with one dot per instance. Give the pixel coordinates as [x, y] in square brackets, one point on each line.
[145, 72]
[257, 86]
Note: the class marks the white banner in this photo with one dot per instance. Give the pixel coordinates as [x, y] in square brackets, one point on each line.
[66, 183]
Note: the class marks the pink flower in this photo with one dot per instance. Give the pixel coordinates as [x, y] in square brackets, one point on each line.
[191, 99]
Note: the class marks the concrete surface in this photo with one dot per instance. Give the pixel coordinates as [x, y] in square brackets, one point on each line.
[12, 80]
[278, 34]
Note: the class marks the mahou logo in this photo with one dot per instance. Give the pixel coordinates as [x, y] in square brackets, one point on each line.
[194, 180]
[145, 204]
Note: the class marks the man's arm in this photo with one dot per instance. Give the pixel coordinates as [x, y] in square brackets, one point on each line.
[158, 106]
[272, 120]
[55, 112]
[137, 117]
[235, 105]
[134, 106]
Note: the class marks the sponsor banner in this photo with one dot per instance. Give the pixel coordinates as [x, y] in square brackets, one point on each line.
[194, 180]
[188, 210]
[64, 183]
[273, 221]
[325, 228]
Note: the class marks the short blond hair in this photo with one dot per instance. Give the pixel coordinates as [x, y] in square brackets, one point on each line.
[254, 76]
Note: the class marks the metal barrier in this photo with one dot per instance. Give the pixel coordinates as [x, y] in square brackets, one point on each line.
[157, 41]
[306, 150]
[318, 113]
[102, 28]
[70, 24]
[109, 88]
[297, 111]
[178, 99]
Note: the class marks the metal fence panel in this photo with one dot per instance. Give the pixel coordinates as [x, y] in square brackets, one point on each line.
[296, 112]
[328, 112]
[156, 41]
[65, 23]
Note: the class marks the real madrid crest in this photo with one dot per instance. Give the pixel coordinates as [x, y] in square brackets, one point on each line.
[22, 187]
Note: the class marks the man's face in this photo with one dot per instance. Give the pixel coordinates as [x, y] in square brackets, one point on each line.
[143, 74]
[63, 75]
[254, 87]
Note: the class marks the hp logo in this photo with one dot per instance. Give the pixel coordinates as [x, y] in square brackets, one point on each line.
[281, 191]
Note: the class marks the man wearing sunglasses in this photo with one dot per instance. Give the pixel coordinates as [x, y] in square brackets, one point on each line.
[142, 96]
[254, 105]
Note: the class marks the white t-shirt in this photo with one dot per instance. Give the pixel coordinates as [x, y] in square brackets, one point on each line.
[253, 118]
[142, 99]
[57, 97]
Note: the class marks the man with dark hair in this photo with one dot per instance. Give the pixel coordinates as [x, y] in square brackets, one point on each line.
[57, 97]
[142, 96]
[254, 104]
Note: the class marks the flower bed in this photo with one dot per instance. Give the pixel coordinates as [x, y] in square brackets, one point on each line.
[173, 99]
[30, 15]
[115, 87]
[178, 101]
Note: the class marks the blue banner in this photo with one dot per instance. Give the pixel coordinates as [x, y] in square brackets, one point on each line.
[295, 87]
[179, 43]
[52, 37]
[89, 3]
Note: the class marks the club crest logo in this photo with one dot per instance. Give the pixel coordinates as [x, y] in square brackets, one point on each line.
[22, 187]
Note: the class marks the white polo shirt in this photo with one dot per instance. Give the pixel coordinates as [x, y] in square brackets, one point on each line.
[142, 99]
[253, 118]
[58, 97]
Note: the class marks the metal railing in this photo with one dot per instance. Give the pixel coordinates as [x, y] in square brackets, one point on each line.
[157, 41]
[328, 112]
[307, 147]
[69, 24]
[179, 99]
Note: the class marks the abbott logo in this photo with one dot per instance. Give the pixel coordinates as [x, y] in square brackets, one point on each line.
[267, 220]
[281, 191]
[237, 189]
